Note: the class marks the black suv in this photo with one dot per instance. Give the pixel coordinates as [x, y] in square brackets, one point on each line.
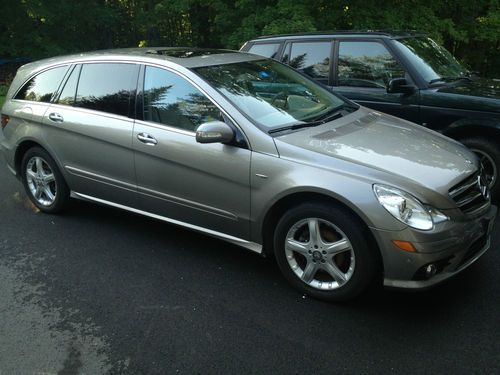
[404, 74]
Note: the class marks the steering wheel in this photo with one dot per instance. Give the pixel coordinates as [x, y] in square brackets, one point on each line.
[281, 95]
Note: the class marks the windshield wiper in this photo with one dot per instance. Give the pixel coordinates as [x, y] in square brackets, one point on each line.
[449, 79]
[320, 120]
[296, 126]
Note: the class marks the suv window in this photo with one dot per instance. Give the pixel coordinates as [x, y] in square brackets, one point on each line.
[68, 93]
[42, 87]
[367, 64]
[266, 50]
[171, 100]
[107, 87]
[312, 58]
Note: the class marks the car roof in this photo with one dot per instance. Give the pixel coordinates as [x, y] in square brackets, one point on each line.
[342, 34]
[184, 56]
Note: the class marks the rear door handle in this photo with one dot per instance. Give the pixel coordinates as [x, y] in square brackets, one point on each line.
[147, 139]
[56, 117]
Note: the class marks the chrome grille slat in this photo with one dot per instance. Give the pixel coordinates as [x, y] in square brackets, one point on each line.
[465, 186]
[477, 210]
[469, 197]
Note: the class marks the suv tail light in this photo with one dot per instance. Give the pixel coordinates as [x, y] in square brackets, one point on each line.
[5, 120]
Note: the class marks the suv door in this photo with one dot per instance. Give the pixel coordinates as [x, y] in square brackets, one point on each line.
[90, 130]
[205, 185]
[362, 73]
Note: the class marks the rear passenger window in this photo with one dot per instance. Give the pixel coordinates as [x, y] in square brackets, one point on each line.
[266, 50]
[42, 87]
[107, 87]
[312, 58]
[171, 100]
[68, 93]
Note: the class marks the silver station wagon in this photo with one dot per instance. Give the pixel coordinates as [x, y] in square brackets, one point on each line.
[248, 150]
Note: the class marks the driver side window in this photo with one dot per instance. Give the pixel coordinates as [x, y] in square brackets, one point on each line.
[171, 100]
[367, 64]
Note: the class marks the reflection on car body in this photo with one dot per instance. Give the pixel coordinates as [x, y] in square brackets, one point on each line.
[246, 149]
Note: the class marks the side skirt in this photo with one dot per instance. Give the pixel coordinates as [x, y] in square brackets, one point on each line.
[234, 240]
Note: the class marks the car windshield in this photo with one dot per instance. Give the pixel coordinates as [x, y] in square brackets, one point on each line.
[433, 62]
[273, 95]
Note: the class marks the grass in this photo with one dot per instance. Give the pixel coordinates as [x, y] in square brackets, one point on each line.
[3, 92]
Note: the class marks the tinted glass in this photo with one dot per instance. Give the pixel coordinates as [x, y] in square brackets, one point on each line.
[171, 100]
[107, 87]
[68, 93]
[42, 87]
[367, 64]
[313, 58]
[267, 50]
[430, 59]
[271, 94]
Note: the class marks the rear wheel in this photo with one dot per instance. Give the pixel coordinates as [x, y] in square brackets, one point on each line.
[43, 182]
[323, 252]
[488, 153]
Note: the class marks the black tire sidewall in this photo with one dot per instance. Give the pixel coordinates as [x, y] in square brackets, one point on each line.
[367, 264]
[493, 150]
[62, 195]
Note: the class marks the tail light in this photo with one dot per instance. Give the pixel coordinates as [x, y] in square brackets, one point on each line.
[5, 120]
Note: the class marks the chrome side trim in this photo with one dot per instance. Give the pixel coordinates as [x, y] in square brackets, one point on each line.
[99, 178]
[186, 203]
[12, 170]
[234, 240]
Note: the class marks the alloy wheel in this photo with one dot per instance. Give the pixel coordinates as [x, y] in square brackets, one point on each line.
[319, 254]
[41, 181]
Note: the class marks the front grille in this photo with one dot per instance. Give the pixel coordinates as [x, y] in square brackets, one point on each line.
[471, 195]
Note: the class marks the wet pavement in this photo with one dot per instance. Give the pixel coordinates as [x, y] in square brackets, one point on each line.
[97, 290]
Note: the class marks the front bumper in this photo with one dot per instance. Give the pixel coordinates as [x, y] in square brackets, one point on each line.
[451, 249]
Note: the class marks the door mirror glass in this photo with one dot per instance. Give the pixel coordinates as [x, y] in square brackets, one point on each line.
[400, 86]
[214, 132]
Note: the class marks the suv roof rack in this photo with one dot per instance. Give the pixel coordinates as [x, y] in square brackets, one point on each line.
[388, 33]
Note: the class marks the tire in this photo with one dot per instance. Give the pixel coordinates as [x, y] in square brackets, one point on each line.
[340, 266]
[489, 153]
[43, 182]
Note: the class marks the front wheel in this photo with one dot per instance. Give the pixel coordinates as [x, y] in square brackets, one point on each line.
[488, 153]
[323, 251]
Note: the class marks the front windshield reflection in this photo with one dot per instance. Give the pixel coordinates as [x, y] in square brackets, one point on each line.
[430, 59]
[271, 94]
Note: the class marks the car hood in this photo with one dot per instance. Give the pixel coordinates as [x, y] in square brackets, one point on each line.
[387, 144]
[487, 88]
[477, 95]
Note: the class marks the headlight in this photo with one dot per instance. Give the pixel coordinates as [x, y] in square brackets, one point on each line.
[407, 209]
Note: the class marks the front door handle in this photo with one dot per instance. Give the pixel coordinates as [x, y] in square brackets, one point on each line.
[56, 117]
[147, 139]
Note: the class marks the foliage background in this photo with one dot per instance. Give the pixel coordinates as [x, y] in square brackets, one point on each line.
[470, 29]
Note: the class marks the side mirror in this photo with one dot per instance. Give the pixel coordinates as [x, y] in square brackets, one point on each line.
[214, 132]
[400, 86]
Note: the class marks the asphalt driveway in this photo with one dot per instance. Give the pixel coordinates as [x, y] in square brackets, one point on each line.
[98, 290]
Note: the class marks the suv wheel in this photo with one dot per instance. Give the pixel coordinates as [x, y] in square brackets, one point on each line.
[489, 155]
[43, 182]
[323, 252]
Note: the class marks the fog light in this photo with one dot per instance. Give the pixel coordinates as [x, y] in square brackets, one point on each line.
[430, 270]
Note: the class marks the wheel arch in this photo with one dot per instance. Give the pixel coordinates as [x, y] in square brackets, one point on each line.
[21, 150]
[26, 145]
[473, 128]
[278, 208]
